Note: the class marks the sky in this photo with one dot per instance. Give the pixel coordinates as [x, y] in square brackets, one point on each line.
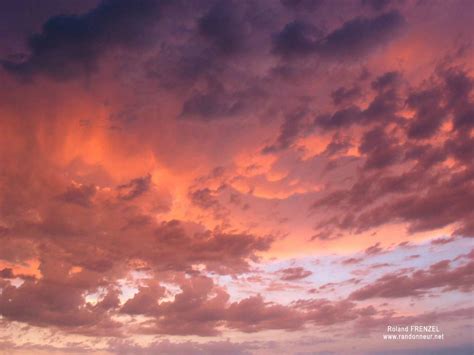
[236, 177]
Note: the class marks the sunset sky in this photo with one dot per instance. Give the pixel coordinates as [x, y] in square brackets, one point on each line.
[236, 177]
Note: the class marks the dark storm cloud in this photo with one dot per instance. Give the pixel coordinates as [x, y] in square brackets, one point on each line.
[459, 86]
[386, 81]
[425, 202]
[380, 149]
[80, 195]
[134, 188]
[425, 155]
[342, 94]
[338, 144]
[427, 198]
[376, 5]
[296, 39]
[383, 107]
[289, 131]
[353, 39]
[216, 102]
[302, 5]
[23, 17]
[434, 103]
[387, 102]
[6, 273]
[211, 105]
[204, 198]
[340, 118]
[424, 198]
[360, 35]
[429, 113]
[465, 119]
[222, 28]
[446, 202]
[70, 45]
[461, 147]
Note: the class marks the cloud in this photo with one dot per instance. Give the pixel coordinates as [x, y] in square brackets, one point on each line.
[376, 5]
[382, 109]
[79, 194]
[122, 347]
[222, 28]
[354, 38]
[429, 114]
[84, 251]
[420, 282]
[145, 301]
[422, 206]
[386, 81]
[451, 198]
[204, 198]
[380, 149]
[70, 45]
[253, 314]
[340, 118]
[289, 131]
[408, 196]
[215, 102]
[442, 241]
[294, 273]
[57, 299]
[374, 249]
[459, 86]
[134, 188]
[195, 311]
[324, 312]
[350, 261]
[342, 94]
[296, 39]
[123, 233]
[371, 251]
[360, 35]
[6, 273]
[302, 5]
